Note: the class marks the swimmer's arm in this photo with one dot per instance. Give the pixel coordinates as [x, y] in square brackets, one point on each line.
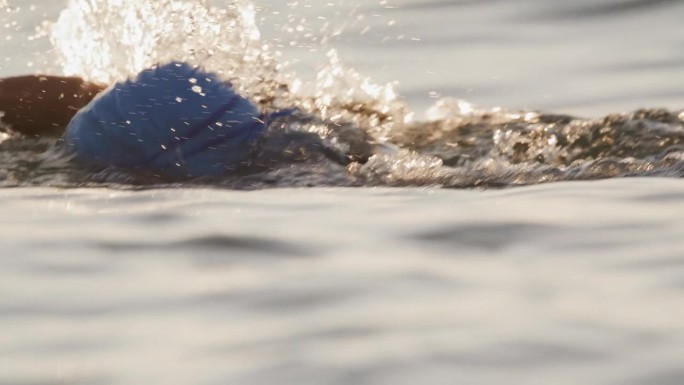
[37, 105]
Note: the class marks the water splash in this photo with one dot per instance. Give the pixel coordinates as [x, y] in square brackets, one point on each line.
[109, 40]
[341, 94]
[349, 131]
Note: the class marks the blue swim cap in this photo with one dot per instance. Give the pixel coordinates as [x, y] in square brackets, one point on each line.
[173, 119]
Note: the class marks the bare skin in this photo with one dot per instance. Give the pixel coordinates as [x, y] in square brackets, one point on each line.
[38, 105]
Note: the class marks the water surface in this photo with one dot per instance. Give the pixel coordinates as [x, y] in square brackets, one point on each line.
[109, 277]
[562, 283]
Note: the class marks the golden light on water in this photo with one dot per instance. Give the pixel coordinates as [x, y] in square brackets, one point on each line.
[107, 40]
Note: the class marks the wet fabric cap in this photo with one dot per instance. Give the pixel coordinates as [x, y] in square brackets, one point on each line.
[173, 119]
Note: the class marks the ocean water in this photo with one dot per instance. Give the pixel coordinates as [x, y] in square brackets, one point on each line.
[476, 192]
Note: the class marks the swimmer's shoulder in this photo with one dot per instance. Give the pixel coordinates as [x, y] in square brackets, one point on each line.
[43, 105]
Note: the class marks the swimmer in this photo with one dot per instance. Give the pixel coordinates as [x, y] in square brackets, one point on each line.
[43, 105]
[173, 120]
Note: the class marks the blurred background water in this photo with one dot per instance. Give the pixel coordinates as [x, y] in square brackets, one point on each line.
[565, 283]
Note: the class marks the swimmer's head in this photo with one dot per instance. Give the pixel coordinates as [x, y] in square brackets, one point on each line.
[174, 119]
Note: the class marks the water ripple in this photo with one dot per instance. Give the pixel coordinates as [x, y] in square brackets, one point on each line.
[209, 243]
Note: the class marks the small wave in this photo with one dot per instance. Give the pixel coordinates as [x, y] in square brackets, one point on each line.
[208, 244]
[605, 9]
